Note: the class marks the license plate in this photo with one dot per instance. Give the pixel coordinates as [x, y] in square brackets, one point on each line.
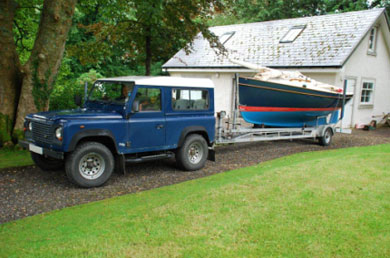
[35, 149]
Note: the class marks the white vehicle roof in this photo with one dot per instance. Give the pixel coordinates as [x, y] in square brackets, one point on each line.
[164, 81]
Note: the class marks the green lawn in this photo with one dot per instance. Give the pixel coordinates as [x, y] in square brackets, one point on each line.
[331, 203]
[14, 158]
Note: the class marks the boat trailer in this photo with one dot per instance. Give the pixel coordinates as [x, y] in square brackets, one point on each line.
[239, 134]
[234, 132]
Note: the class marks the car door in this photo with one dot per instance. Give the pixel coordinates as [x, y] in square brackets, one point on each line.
[147, 125]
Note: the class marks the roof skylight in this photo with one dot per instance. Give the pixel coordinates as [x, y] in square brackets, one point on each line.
[226, 36]
[292, 34]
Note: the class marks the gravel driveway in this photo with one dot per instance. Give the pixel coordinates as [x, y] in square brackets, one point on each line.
[28, 190]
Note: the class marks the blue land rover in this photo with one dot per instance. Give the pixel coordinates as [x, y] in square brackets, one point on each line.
[125, 120]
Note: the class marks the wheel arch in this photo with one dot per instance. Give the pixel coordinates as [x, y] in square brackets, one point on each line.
[193, 130]
[102, 136]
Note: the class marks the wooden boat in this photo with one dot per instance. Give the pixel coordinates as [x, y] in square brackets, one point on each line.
[288, 99]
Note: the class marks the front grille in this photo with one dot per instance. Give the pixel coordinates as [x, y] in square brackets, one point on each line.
[42, 132]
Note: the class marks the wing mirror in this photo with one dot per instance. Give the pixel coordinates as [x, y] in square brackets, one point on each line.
[78, 100]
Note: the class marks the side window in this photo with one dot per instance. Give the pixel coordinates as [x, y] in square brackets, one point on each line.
[148, 99]
[366, 96]
[190, 99]
[372, 41]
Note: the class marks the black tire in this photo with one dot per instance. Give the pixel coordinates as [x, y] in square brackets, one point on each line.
[192, 155]
[89, 165]
[326, 139]
[47, 163]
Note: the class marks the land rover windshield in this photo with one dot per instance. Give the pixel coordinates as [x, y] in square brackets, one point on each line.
[111, 92]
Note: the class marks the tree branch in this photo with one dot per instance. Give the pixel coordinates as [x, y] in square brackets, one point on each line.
[22, 33]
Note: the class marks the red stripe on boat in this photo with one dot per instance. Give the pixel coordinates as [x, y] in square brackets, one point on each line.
[282, 109]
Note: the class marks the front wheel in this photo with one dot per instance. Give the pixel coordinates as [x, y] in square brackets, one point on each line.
[193, 154]
[47, 163]
[326, 139]
[90, 165]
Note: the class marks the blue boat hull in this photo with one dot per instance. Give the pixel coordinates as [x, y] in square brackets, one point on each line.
[289, 119]
[279, 105]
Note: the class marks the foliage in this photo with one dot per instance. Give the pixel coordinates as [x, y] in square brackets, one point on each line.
[330, 203]
[381, 3]
[26, 24]
[17, 135]
[244, 11]
[66, 88]
[12, 157]
[5, 128]
[144, 31]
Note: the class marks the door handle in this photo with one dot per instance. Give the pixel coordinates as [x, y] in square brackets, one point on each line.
[159, 127]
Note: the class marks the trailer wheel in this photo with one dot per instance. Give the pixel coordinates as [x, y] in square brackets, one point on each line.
[193, 154]
[47, 163]
[326, 139]
[90, 165]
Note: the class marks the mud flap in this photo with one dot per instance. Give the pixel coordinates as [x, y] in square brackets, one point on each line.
[120, 164]
[211, 156]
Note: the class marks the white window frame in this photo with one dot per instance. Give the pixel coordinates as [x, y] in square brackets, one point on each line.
[372, 39]
[371, 95]
[292, 34]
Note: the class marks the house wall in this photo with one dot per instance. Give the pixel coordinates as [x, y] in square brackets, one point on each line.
[375, 67]
[329, 78]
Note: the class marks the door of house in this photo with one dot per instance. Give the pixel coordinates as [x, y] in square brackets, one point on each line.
[348, 108]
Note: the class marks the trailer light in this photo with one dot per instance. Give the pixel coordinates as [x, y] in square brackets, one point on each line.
[59, 133]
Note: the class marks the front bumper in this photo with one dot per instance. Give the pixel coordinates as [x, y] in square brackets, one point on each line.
[45, 151]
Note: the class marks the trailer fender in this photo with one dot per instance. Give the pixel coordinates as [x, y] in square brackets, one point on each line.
[323, 130]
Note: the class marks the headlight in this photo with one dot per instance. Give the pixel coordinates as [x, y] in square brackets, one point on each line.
[30, 126]
[59, 133]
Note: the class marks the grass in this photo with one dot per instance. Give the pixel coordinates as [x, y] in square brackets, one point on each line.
[331, 203]
[14, 158]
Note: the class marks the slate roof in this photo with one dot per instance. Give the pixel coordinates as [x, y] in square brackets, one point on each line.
[327, 41]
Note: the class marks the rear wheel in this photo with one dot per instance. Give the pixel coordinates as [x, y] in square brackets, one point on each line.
[326, 139]
[47, 163]
[90, 165]
[193, 154]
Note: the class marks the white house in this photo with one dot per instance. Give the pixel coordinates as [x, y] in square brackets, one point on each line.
[352, 48]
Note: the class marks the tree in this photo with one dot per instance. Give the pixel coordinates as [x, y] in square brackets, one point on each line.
[10, 82]
[345, 5]
[381, 3]
[26, 87]
[245, 11]
[150, 30]
[85, 51]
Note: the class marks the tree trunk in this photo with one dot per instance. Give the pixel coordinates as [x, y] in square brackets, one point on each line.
[148, 51]
[40, 71]
[10, 82]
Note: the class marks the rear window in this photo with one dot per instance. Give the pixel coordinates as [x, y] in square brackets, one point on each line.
[190, 99]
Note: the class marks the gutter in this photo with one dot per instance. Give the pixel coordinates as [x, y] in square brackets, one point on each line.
[330, 69]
